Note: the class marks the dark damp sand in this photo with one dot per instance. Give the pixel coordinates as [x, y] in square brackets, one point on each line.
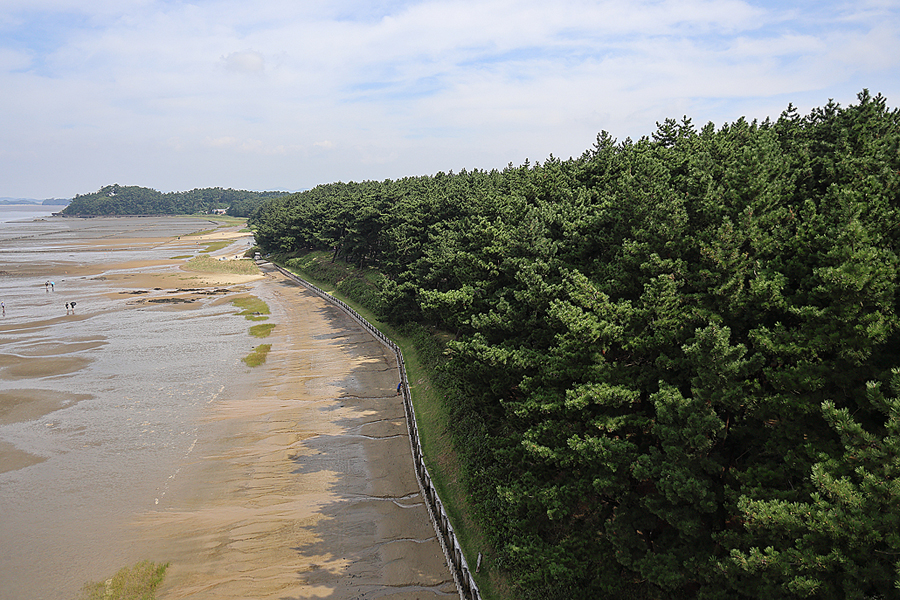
[299, 483]
[304, 487]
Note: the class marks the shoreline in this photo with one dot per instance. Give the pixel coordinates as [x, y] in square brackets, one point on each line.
[308, 485]
[298, 480]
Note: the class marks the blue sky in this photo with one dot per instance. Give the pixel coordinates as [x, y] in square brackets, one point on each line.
[282, 94]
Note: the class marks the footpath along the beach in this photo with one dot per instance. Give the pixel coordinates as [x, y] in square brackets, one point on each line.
[456, 560]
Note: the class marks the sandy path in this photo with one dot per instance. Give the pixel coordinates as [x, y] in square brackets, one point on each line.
[301, 485]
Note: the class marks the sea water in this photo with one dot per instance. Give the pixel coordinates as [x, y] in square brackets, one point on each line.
[18, 212]
[131, 382]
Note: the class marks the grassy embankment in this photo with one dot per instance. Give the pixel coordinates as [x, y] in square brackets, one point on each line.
[422, 353]
[130, 583]
[218, 220]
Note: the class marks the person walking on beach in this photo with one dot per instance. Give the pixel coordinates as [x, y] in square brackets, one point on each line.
[3, 306]
[52, 286]
[67, 308]
[47, 285]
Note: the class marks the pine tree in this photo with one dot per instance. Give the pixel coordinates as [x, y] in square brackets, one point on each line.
[844, 542]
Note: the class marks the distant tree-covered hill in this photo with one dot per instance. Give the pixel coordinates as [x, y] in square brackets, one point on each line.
[134, 200]
[48, 202]
[15, 201]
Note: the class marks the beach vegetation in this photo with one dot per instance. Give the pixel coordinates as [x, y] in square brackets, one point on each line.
[200, 232]
[252, 308]
[224, 220]
[258, 356]
[360, 284]
[262, 329]
[667, 367]
[208, 264]
[138, 582]
[215, 245]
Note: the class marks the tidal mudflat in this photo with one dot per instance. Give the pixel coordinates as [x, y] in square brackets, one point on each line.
[131, 430]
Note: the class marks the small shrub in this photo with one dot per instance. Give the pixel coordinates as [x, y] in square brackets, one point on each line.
[254, 309]
[217, 245]
[130, 583]
[258, 356]
[262, 330]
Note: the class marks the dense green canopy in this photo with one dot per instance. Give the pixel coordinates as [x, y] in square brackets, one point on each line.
[134, 200]
[676, 358]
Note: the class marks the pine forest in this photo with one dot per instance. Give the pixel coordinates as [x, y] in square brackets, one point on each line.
[673, 364]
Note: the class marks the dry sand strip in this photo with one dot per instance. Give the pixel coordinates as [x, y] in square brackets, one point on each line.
[301, 485]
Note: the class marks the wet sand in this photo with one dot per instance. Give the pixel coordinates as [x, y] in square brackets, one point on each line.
[304, 488]
[289, 480]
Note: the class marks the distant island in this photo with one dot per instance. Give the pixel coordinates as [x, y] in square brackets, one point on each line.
[122, 200]
[6, 201]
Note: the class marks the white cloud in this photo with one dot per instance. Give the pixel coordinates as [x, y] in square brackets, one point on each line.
[221, 142]
[247, 61]
[351, 90]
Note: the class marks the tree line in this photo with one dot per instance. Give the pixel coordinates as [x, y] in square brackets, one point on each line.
[675, 360]
[135, 200]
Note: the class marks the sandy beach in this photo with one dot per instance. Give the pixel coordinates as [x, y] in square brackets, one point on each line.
[131, 430]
